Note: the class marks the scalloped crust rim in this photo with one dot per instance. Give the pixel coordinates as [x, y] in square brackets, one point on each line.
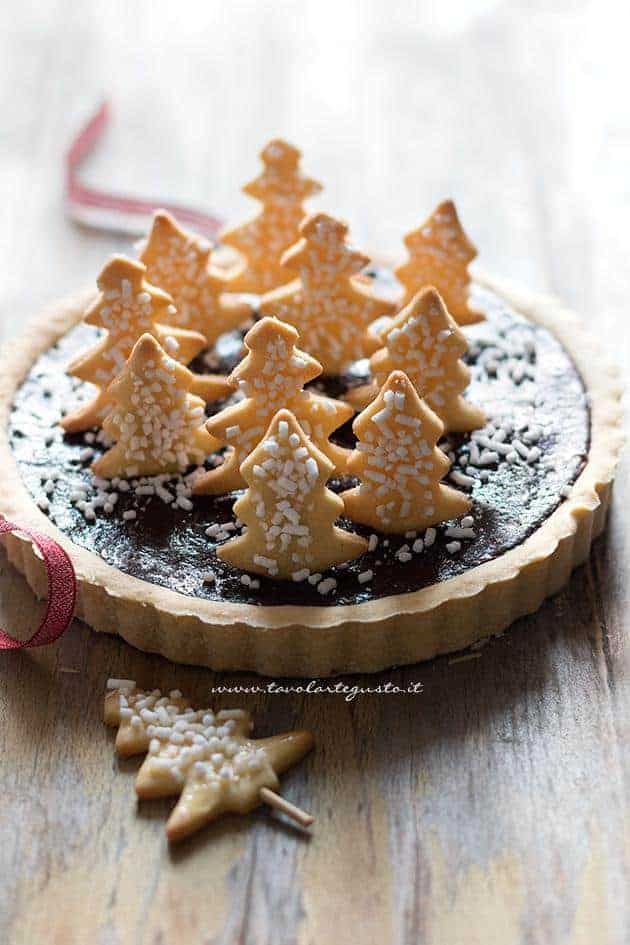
[328, 640]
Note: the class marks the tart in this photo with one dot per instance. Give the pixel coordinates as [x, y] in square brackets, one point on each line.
[163, 560]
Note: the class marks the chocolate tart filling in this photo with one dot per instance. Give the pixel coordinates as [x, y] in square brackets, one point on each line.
[522, 377]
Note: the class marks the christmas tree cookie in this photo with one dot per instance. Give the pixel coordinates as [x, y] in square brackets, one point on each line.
[271, 376]
[159, 427]
[425, 343]
[399, 464]
[326, 303]
[282, 190]
[206, 759]
[439, 255]
[288, 510]
[126, 306]
[180, 263]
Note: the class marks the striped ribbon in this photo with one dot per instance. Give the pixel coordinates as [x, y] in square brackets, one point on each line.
[62, 591]
[106, 210]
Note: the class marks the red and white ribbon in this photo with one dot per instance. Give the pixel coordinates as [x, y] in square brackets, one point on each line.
[104, 210]
[62, 591]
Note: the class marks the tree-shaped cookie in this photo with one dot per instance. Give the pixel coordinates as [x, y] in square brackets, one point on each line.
[425, 343]
[206, 759]
[399, 464]
[126, 307]
[180, 263]
[288, 510]
[327, 304]
[439, 255]
[282, 190]
[271, 376]
[158, 426]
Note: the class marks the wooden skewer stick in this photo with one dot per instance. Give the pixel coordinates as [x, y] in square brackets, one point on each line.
[280, 803]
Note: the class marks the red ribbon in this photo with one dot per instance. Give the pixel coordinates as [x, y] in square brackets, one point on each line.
[110, 211]
[62, 591]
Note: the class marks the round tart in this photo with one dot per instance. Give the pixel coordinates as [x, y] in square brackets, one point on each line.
[539, 476]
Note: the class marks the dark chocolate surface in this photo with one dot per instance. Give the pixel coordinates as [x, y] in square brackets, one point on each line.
[168, 546]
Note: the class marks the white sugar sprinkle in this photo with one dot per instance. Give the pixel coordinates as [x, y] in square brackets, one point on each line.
[429, 537]
[113, 683]
[300, 575]
[461, 480]
[456, 531]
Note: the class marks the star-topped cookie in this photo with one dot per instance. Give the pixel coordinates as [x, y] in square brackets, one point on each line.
[288, 510]
[330, 308]
[126, 307]
[272, 376]
[180, 263]
[425, 342]
[439, 255]
[207, 759]
[282, 190]
[159, 427]
[399, 464]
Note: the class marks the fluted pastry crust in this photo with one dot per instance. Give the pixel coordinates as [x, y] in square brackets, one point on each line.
[365, 637]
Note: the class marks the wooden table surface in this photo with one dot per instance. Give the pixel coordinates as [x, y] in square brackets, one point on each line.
[493, 806]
